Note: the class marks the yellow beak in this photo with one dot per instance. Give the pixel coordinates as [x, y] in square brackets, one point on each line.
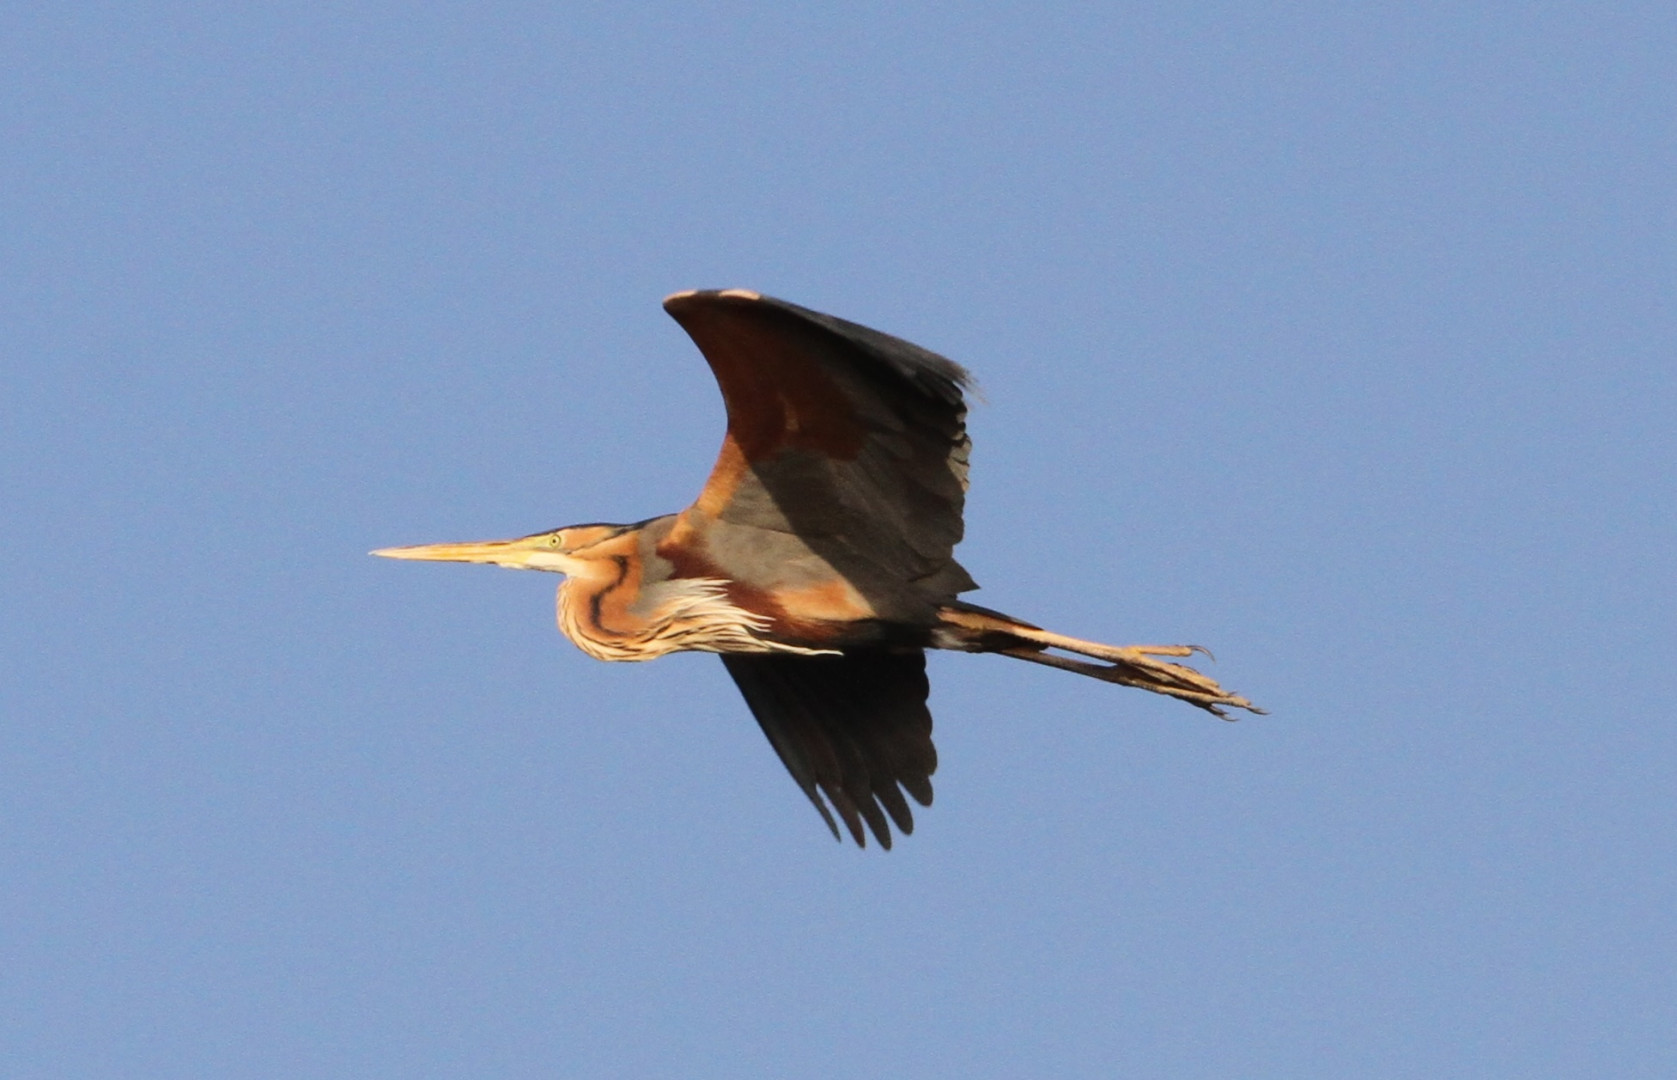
[525, 553]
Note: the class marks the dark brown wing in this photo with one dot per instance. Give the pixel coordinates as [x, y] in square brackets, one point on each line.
[851, 727]
[849, 439]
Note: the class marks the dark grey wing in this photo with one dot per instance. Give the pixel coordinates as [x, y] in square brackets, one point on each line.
[852, 727]
[852, 440]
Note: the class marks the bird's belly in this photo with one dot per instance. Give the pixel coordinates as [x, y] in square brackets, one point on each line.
[835, 601]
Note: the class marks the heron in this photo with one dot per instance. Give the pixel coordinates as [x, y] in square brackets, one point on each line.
[818, 558]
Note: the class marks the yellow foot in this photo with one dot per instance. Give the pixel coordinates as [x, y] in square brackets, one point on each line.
[1134, 666]
[1127, 651]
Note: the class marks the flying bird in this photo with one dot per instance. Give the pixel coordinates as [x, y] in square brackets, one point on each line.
[818, 559]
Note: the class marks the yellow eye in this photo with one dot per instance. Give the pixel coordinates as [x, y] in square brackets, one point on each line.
[553, 541]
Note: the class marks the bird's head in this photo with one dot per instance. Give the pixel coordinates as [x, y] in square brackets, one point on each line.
[558, 550]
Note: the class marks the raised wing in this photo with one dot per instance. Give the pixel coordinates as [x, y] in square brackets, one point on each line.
[851, 727]
[849, 439]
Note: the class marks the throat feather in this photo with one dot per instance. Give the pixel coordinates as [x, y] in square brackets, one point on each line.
[680, 615]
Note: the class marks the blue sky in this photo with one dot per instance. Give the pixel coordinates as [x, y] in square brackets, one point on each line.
[1340, 341]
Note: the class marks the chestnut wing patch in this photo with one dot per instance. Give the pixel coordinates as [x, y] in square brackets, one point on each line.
[854, 728]
[850, 439]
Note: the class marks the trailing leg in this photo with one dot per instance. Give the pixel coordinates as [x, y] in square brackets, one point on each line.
[974, 629]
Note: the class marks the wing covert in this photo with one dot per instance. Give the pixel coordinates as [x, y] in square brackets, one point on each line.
[850, 439]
